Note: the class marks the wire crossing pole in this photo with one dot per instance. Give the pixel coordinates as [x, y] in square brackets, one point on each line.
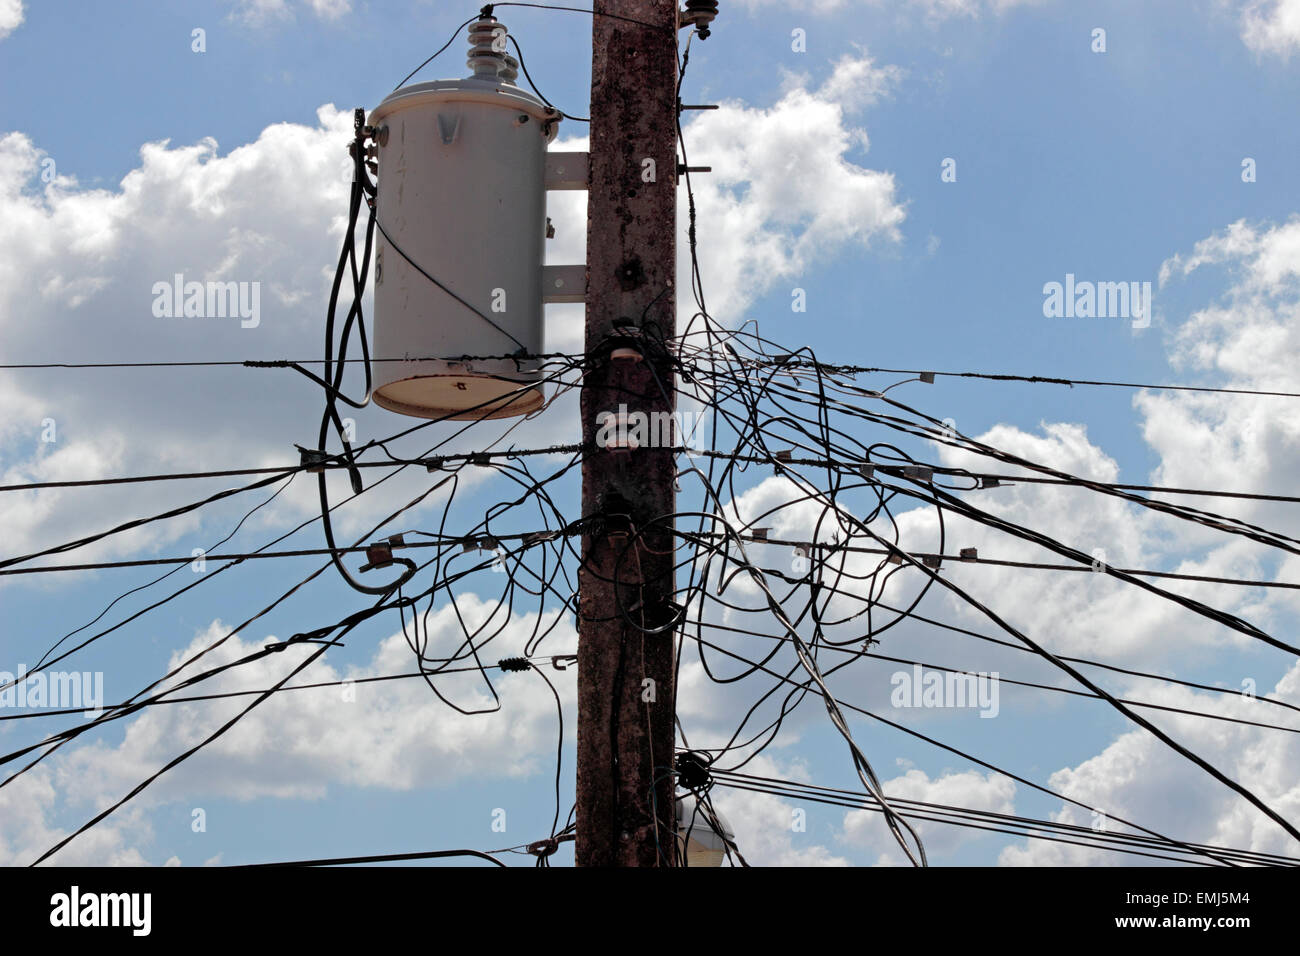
[626, 693]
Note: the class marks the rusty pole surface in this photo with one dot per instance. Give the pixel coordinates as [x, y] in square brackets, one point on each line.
[626, 695]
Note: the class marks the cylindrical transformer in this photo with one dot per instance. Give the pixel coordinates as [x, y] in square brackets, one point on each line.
[461, 210]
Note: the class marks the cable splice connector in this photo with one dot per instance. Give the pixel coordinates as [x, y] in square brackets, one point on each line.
[514, 664]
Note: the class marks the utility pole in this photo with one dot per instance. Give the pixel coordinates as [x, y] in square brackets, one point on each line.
[626, 691]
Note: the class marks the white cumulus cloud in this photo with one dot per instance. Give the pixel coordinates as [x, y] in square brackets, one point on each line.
[11, 16]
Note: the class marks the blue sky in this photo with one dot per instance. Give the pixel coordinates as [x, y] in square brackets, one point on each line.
[1115, 166]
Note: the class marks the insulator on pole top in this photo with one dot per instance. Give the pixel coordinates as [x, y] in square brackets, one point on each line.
[510, 71]
[487, 55]
[700, 13]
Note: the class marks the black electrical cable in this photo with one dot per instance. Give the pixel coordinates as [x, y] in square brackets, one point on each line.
[523, 66]
[380, 858]
[452, 39]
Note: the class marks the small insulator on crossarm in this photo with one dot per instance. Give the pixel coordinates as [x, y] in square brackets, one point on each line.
[700, 13]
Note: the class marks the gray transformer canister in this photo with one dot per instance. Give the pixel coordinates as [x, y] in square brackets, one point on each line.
[462, 195]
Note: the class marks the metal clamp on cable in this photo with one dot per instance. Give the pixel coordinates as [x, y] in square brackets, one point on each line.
[378, 555]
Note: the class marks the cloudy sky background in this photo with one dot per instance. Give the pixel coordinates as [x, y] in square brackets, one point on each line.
[125, 157]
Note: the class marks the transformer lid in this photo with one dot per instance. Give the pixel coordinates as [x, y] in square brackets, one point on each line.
[488, 92]
[492, 83]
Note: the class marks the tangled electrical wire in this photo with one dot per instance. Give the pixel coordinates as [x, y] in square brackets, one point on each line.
[777, 440]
